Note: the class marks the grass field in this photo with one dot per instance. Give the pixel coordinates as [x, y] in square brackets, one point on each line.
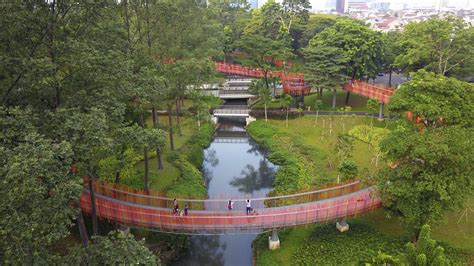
[357, 103]
[310, 133]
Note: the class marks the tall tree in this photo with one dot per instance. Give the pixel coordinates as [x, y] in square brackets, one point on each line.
[441, 45]
[325, 67]
[361, 46]
[432, 171]
[37, 185]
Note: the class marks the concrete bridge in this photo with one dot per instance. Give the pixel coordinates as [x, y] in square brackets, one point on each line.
[236, 111]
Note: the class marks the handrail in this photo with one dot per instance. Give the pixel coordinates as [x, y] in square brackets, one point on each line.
[235, 200]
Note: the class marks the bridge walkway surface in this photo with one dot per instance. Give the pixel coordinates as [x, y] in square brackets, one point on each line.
[154, 213]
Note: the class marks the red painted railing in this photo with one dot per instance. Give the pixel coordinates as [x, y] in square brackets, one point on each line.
[294, 83]
[372, 91]
[124, 208]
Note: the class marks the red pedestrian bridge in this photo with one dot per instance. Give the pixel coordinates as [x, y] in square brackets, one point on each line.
[294, 83]
[210, 216]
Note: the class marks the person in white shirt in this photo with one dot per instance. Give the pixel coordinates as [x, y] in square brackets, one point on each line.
[249, 206]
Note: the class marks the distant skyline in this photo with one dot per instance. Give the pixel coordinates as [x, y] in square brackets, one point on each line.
[395, 4]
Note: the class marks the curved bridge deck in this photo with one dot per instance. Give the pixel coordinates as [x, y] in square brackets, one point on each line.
[148, 215]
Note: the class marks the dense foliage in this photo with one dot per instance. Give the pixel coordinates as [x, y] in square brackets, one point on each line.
[300, 167]
[432, 155]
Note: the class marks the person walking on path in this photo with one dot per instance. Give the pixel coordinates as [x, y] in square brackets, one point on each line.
[230, 204]
[249, 206]
[186, 208]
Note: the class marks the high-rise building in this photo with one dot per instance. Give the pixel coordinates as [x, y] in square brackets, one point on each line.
[442, 4]
[340, 6]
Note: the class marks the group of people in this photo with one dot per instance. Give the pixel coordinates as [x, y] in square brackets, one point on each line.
[248, 204]
[177, 211]
[230, 205]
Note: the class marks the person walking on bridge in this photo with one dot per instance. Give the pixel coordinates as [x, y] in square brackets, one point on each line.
[249, 206]
[230, 204]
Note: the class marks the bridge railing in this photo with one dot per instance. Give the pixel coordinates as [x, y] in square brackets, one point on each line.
[219, 202]
[232, 221]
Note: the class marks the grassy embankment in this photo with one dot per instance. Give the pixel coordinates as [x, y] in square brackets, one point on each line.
[303, 134]
[305, 149]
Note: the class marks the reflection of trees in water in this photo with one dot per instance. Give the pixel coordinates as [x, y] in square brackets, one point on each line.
[206, 250]
[211, 157]
[254, 180]
[206, 174]
[254, 148]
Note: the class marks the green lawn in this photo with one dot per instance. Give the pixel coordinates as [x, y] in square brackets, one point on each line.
[162, 179]
[310, 133]
[357, 103]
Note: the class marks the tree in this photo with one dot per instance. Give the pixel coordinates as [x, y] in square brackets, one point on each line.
[259, 88]
[347, 169]
[441, 45]
[435, 100]
[324, 67]
[356, 50]
[433, 173]
[372, 106]
[317, 105]
[263, 52]
[425, 251]
[114, 249]
[36, 185]
[293, 10]
[285, 102]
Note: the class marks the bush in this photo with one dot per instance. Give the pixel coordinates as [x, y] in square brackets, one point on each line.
[300, 167]
[361, 243]
[188, 159]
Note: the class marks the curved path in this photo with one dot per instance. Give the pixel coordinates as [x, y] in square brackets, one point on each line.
[147, 211]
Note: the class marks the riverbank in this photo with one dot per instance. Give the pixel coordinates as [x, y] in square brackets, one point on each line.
[305, 149]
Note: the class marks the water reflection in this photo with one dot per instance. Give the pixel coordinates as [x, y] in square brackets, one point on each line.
[252, 179]
[234, 166]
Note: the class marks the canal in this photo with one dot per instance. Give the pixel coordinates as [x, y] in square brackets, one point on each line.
[234, 167]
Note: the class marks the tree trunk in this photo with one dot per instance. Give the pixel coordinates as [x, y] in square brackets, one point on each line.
[266, 118]
[95, 224]
[381, 111]
[170, 123]
[390, 76]
[83, 232]
[287, 110]
[199, 120]
[145, 156]
[347, 98]
[178, 124]
[334, 95]
[117, 177]
[158, 150]
[147, 170]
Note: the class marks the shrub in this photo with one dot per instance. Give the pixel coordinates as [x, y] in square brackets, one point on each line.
[273, 113]
[300, 167]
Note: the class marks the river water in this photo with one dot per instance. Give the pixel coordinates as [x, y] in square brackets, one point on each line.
[234, 167]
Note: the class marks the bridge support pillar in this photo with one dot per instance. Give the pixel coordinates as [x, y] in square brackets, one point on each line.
[381, 111]
[214, 119]
[273, 240]
[249, 120]
[342, 226]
